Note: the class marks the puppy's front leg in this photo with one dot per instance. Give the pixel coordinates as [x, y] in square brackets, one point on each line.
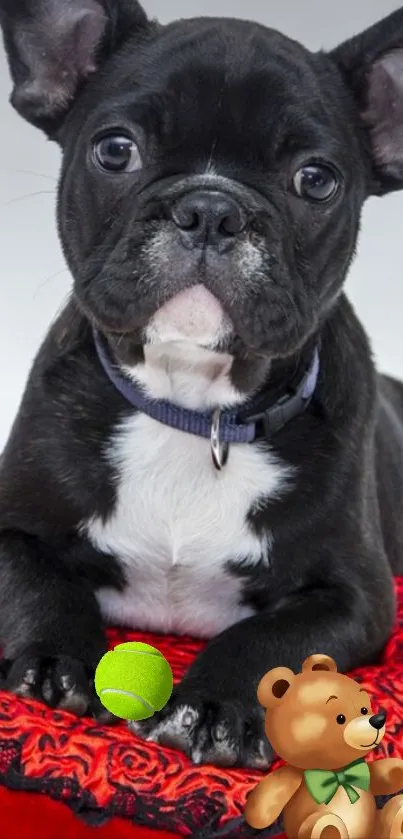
[214, 716]
[50, 628]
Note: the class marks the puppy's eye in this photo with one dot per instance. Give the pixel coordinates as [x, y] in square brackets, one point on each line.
[117, 153]
[340, 719]
[316, 182]
[364, 711]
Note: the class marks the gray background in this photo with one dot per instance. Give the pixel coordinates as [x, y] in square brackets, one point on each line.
[34, 281]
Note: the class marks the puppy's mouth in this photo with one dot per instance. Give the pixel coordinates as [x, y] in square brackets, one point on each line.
[194, 315]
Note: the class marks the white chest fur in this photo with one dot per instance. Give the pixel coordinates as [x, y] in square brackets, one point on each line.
[178, 521]
[176, 524]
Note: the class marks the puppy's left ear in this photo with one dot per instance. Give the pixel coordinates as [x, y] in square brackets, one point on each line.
[372, 67]
[55, 46]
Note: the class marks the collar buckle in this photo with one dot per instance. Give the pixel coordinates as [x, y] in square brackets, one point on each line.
[279, 415]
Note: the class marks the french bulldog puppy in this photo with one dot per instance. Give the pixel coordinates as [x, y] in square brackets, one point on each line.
[204, 446]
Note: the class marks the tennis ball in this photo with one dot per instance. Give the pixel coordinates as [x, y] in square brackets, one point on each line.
[133, 681]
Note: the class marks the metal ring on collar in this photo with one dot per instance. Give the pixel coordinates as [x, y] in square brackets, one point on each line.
[219, 451]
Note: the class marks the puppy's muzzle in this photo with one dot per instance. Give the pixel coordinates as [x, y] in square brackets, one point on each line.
[208, 218]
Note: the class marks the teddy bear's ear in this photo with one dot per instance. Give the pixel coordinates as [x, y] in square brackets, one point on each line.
[274, 686]
[319, 662]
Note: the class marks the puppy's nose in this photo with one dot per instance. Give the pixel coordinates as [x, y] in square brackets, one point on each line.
[208, 218]
[377, 721]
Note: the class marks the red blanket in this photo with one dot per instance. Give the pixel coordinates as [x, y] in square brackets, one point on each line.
[106, 772]
[27, 815]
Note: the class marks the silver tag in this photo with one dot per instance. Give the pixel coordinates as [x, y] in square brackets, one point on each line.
[219, 451]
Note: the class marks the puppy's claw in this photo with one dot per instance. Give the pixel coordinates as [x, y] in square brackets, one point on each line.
[220, 733]
[61, 682]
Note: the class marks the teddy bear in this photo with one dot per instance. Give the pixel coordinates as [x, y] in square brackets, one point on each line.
[322, 725]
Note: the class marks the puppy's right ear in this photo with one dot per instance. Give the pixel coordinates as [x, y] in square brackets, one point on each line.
[54, 46]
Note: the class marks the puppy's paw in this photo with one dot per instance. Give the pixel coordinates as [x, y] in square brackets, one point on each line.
[61, 682]
[221, 732]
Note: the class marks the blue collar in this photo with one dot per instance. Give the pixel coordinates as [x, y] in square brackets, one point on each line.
[220, 427]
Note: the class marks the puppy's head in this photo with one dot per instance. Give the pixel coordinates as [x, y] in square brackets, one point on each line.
[213, 170]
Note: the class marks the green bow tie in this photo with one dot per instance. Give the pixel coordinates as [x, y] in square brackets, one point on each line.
[323, 784]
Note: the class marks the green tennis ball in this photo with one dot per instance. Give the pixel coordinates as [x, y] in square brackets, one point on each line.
[133, 681]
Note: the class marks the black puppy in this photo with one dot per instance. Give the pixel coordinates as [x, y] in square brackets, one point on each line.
[203, 446]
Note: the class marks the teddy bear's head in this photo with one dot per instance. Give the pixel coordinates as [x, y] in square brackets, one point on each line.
[318, 719]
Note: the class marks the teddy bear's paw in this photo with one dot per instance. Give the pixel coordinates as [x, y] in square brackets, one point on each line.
[327, 826]
[223, 733]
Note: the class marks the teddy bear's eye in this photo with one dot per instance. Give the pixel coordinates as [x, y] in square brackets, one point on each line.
[340, 719]
[364, 710]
